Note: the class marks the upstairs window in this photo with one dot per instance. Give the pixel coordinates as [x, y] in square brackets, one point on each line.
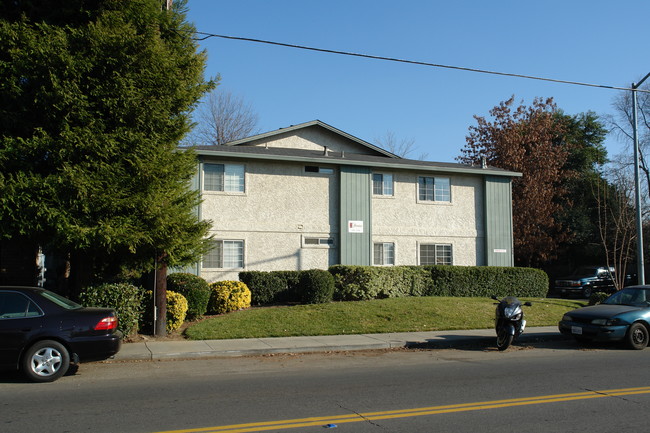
[434, 189]
[382, 184]
[223, 177]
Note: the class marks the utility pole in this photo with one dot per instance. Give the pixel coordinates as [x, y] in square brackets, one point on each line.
[640, 268]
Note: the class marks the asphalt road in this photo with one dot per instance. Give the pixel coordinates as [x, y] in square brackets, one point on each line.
[548, 387]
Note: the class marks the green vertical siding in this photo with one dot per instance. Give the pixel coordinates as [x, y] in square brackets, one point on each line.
[356, 201]
[498, 221]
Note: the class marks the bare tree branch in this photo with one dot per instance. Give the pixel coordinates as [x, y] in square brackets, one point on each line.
[224, 117]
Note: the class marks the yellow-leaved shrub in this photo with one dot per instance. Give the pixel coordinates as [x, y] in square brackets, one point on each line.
[227, 296]
[176, 310]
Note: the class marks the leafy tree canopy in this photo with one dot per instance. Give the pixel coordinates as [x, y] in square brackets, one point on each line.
[94, 98]
[558, 156]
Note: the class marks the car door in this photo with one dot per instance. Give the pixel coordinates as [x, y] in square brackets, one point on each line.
[19, 318]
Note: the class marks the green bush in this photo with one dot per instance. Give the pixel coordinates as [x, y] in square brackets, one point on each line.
[194, 288]
[125, 298]
[598, 297]
[227, 296]
[368, 282]
[316, 286]
[271, 287]
[177, 307]
[356, 283]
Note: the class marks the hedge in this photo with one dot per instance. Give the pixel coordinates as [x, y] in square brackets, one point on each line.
[313, 286]
[371, 282]
[271, 287]
[195, 290]
[316, 286]
[124, 298]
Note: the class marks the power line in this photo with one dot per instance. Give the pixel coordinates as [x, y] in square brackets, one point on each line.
[413, 62]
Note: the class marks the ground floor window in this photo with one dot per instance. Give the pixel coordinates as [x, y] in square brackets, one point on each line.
[225, 254]
[436, 254]
[384, 254]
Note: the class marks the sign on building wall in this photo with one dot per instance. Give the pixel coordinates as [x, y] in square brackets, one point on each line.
[355, 226]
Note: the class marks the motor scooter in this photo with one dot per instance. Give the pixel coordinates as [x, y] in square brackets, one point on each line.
[509, 320]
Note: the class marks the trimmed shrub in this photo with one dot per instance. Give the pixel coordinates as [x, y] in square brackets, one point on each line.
[598, 297]
[176, 311]
[316, 286]
[125, 298]
[271, 287]
[227, 296]
[177, 308]
[368, 282]
[195, 290]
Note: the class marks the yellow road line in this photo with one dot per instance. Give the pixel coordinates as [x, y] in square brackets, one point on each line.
[404, 413]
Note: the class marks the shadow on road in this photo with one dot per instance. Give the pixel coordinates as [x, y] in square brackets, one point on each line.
[488, 344]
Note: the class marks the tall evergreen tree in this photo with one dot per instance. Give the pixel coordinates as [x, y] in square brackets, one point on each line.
[94, 98]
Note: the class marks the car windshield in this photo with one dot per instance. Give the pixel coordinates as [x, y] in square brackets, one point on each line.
[59, 300]
[633, 297]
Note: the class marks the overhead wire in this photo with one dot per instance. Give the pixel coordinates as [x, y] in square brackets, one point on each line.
[413, 62]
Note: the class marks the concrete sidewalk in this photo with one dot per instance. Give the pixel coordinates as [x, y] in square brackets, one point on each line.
[155, 350]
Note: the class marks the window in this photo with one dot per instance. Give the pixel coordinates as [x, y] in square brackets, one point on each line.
[16, 306]
[383, 254]
[317, 242]
[434, 189]
[435, 254]
[317, 169]
[223, 177]
[225, 255]
[382, 184]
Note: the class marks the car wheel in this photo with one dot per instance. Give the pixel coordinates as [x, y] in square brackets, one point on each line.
[586, 293]
[637, 336]
[45, 361]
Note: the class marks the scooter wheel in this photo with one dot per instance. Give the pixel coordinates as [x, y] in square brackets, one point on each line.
[504, 338]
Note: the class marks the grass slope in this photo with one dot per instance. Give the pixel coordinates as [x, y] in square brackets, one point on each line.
[377, 316]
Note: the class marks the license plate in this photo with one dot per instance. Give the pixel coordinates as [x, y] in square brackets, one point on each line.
[576, 330]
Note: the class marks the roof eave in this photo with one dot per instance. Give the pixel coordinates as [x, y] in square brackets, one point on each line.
[335, 160]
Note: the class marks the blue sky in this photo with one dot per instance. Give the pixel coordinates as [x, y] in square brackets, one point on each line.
[592, 41]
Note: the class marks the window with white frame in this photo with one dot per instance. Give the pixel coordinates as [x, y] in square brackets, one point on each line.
[315, 242]
[434, 189]
[436, 254]
[223, 177]
[382, 184]
[225, 254]
[383, 254]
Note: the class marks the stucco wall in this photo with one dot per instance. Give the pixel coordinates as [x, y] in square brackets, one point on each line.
[280, 206]
[313, 138]
[403, 220]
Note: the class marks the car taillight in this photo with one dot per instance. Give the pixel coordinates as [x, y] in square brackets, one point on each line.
[107, 323]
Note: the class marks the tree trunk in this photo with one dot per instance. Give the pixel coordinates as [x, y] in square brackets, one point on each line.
[160, 327]
[81, 272]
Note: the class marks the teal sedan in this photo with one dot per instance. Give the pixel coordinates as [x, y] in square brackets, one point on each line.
[624, 316]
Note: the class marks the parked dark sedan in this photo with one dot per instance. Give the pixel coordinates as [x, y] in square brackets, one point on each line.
[41, 333]
[624, 316]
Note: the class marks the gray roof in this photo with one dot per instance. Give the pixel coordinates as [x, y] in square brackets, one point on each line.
[341, 158]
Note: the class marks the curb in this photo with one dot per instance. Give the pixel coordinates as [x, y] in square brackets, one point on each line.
[161, 350]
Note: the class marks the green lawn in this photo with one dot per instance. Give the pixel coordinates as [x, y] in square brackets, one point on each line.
[378, 316]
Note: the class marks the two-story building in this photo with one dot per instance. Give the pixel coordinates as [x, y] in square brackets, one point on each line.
[311, 196]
